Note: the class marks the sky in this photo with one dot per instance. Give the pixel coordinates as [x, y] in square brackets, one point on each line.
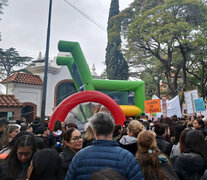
[24, 27]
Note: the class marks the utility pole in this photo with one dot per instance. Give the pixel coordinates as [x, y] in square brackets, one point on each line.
[46, 65]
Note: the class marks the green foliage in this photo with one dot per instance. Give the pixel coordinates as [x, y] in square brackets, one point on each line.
[116, 65]
[171, 32]
[10, 61]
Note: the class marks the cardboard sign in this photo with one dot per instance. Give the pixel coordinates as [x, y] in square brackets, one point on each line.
[199, 104]
[152, 106]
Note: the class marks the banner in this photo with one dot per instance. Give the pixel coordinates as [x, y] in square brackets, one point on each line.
[199, 104]
[152, 106]
[173, 107]
[189, 100]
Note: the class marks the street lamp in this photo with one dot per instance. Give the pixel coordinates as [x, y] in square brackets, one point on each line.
[46, 65]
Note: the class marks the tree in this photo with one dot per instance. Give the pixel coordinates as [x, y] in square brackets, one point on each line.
[168, 31]
[116, 65]
[10, 62]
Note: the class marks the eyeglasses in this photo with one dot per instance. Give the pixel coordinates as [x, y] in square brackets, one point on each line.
[76, 138]
[24, 153]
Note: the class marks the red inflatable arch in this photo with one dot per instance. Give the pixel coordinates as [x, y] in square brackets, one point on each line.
[69, 103]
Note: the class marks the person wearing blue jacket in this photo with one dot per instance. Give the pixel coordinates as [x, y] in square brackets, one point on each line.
[104, 153]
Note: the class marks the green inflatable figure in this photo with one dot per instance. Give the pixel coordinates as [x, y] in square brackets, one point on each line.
[83, 79]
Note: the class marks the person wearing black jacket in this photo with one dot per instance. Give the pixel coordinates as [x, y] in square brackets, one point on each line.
[192, 162]
[162, 144]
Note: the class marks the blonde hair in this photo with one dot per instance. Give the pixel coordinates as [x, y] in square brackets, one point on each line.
[89, 135]
[135, 127]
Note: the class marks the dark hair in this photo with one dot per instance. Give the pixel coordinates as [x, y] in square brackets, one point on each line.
[103, 123]
[116, 130]
[107, 174]
[200, 122]
[71, 124]
[126, 123]
[12, 163]
[68, 134]
[40, 143]
[182, 140]
[23, 128]
[159, 129]
[3, 122]
[20, 134]
[57, 125]
[195, 141]
[46, 166]
[2, 172]
[178, 130]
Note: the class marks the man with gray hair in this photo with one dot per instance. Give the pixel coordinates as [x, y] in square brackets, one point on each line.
[103, 153]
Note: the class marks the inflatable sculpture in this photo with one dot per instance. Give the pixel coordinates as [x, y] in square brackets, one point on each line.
[84, 81]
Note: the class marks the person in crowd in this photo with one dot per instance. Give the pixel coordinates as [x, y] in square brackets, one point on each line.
[45, 165]
[162, 144]
[36, 123]
[175, 152]
[72, 141]
[126, 123]
[143, 118]
[199, 124]
[103, 153]
[69, 125]
[88, 137]
[55, 137]
[26, 128]
[18, 160]
[129, 142]
[191, 164]
[154, 163]
[5, 152]
[46, 132]
[9, 133]
[107, 174]
[117, 132]
[3, 124]
[146, 125]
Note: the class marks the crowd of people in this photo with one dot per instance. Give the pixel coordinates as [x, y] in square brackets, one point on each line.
[164, 149]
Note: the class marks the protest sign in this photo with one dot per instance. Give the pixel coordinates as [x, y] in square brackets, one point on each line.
[152, 106]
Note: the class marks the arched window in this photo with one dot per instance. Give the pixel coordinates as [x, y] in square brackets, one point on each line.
[64, 89]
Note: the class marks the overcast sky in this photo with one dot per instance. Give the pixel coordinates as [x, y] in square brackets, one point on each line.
[24, 27]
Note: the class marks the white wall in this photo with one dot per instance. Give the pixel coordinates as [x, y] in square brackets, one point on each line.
[52, 81]
[28, 93]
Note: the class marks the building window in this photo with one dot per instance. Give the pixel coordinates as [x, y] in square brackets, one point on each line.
[64, 90]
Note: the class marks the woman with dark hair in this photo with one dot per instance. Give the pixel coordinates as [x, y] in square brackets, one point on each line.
[175, 152]
[154, 164]
[192, 162]
[5, 152]
[73, 142]
[45, 165]
[18, 160]
[199, 124]
[55, 137]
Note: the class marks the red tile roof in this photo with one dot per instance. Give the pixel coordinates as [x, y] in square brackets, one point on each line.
[24, 79]
[9, 101]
